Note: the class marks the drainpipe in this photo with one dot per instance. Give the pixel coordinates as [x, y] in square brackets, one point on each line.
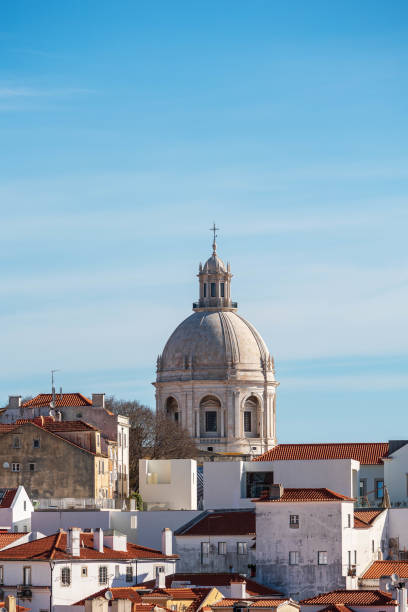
[52, 565]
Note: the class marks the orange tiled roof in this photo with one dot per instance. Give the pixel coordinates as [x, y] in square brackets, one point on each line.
[7, 498]
[9, 538]
[215, 579]
[363, 519]
[336, 608]
[18, 608]
[306, 495]
[233, 522]
[117, 592]
[55, 546]
[367, 453]
[256, 603]
[351, 598]
[179, 592]
[67, 399]
[386, 568]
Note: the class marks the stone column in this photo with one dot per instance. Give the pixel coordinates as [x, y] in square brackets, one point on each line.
[222, 422]
[197, 423]
[237, 415]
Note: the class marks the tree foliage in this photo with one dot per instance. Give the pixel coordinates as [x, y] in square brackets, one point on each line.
[152, 436]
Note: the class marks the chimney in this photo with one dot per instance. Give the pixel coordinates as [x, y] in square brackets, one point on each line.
[11, 603]
[238, 589]
[74, 541]
[402, 599]
[98, 604]
[98, 400]
[160, 577]
[14, 401]
[167, 541]
[275, 491]
[98, 539]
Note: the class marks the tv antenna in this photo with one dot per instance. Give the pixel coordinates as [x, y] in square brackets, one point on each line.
[53, 388]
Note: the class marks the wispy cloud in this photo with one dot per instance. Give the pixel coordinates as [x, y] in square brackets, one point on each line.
[7, 92]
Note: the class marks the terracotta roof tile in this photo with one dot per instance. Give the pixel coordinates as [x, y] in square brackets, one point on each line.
[367, 517]
[9, 538]
[367, 453]
[67, 399]
[117, 592]
[234, 522]
[306, 495]
[18, 608]
[336, 608]
[386, 568]
[7, 497]
[256, 603]
[213, 579]
[54, 547]
[351, 598]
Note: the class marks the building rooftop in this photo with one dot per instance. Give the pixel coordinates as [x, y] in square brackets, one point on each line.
[251, 603]
[9, 537]
[351, 598]
[7, 497]
[306, 495]
[55, 547]
[215, 579]
[61, 400]
[367, 453]
[223, 522]
[363, 519]
[386, 568]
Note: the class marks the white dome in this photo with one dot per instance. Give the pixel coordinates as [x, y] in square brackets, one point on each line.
[209, 344]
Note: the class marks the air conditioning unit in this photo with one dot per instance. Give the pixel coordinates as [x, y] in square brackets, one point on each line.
[27, 593]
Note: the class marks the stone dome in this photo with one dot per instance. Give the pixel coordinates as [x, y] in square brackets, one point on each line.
[214, 264]
[214, 345]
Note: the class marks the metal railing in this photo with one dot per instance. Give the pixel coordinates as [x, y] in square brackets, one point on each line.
[83, 503]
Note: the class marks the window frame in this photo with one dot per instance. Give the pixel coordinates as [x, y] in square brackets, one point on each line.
[222, 548]
[242, 548]
[363, 482]
[65, 576]
[129, 573]
[377, 482]
[247, 420]
[213, 290]
[212, 413]
[322, 557]
[16, 442]
[36, 443]
[84, 571]
[31, 469]
[294, 553]
[222, 290]
[294, 521]
[27, 578]
[15, 467]
[1, 575]
[103, 571]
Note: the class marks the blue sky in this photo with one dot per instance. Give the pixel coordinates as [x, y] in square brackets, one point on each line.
[126, 128]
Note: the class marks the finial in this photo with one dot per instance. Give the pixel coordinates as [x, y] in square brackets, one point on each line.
[214, 229]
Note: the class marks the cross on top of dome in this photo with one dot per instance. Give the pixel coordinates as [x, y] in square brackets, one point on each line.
[214, 229]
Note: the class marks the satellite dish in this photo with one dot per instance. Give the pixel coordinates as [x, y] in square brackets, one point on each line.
[5, 465]
[108, 596]
[388, 586]
[394, 577]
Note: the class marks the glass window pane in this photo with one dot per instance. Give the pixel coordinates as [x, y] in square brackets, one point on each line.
[211, 420]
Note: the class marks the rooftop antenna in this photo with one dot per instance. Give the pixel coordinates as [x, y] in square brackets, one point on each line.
[53, 388]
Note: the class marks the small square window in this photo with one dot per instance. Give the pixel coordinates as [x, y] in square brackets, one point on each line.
[322, 557]
[294, 521]
[129, 573]
[36, 443]
[15, 467]
[84, 571]
[31, 467]
[16, 442]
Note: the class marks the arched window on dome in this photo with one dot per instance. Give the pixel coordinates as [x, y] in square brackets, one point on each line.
[250, 417]
[210, 417]
[172, 409]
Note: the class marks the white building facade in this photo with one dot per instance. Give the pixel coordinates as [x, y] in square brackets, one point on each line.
[215, 375]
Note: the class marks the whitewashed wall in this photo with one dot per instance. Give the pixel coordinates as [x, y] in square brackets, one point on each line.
[170, 483]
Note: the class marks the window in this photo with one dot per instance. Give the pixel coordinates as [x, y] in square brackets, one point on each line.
[293, 557]
[222, 548]
[133, 522]
[65, 576]
[379, 488]
[16, 442]
[1, 574]
[27, 576]
[294, 521]
[84, 571]
[355, 557]
[363, 487]
[257, 482]
[322, 557]
[36, 443]
[25, 505]
[103, 574]
[15, 467]
[176, 417]
[31, 467]
[117, 571]
[129, 573]
[205, 290]
[372, 546]
[212, 289]
[205, 552]
[222, 290]
[211, 420]
[349, 520]
[349, 559]
[247, 420]
[242, 548]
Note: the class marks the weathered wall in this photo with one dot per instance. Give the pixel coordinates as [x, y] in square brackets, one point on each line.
[189, 549]
[61, 469]
[396, 475]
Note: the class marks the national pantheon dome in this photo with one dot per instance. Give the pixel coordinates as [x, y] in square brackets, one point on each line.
[216, 375]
